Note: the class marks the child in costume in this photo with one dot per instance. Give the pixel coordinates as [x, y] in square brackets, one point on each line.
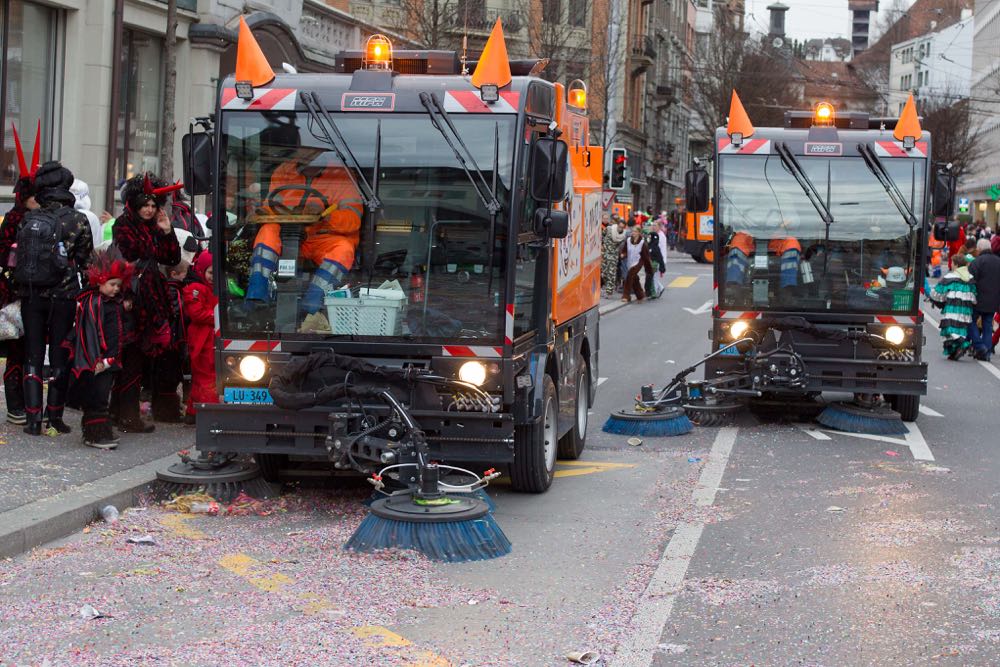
[199, 309]
[955, 295]
[96, 344]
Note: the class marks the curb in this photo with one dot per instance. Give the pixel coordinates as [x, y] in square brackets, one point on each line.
[611, 307]
[28, 526]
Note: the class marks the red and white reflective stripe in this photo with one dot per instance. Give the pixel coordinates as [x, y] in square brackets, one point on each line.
[218, 323]
[895, 149]
[264, 99]
[891, 319]
[468, 101]
[508, 331]
[737, 315]
[251, 345]
[748, 147]
[470, 351]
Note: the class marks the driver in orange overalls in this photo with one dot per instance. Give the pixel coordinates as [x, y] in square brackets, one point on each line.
[330, 242]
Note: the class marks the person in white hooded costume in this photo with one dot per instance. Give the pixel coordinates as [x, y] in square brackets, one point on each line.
[81, 191]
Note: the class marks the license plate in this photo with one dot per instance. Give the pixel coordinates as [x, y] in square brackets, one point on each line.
[247, 395]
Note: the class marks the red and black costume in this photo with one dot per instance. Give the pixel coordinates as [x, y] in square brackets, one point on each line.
[199, 307]
[24, 189]
[144, 244]
[96, 346]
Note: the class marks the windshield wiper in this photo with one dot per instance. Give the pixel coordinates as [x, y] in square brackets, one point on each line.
[876, 167]
[437, 114]
[319, 115]
[803, 180]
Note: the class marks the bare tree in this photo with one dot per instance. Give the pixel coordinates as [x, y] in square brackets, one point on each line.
[954, 132]
[553, 33]
[435, 24]
[765, 78]
[168, 124]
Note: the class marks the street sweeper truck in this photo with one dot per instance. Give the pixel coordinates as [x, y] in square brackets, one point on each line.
[819, 243]
[400, 224]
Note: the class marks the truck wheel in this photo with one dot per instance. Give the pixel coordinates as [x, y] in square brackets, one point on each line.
[707, 254]
[907, 406]
[270, 466]
[571, 445]
[535, 446]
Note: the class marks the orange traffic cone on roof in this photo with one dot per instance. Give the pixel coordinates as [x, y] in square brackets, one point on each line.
[493, 67]
[908, 124]
[739, 121]
[251, 63]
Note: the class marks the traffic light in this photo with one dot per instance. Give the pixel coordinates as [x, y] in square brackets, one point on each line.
[619, 161]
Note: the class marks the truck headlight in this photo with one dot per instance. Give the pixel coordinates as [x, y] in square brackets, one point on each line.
[473, 372]
[895, 335]
[737, 329]
[252, 368]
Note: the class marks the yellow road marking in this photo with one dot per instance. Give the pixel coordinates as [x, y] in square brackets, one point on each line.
[254, 572]
[588, 467]
[683, 281]
[376, 636]
[175, 524]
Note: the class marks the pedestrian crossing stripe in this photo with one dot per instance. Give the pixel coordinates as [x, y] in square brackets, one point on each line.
[683, 281]
[577, 468]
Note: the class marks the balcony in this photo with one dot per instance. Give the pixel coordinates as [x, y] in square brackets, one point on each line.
[642, 52]
[482, 21]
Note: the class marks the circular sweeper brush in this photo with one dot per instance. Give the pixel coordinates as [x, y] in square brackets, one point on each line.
[221, 477]
[661, 421]
[876, 419]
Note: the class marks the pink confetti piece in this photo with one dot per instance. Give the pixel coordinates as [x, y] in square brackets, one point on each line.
[889, 452]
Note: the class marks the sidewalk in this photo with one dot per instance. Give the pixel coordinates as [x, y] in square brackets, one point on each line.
[51, 486]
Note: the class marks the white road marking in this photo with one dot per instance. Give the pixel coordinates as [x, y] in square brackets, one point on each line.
[931, 321]
[700, 310]
[913, 439]
[658, 599]
[816, 433]
[601, 381]
[930, 412]
[991, 368]
[918, 446]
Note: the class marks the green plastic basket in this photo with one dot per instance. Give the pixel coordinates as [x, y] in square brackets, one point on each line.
[902, 300]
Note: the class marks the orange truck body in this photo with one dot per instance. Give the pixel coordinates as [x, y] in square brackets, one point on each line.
[576, 271]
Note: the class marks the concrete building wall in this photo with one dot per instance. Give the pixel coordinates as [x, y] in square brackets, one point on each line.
[982, 186]
[936, 64]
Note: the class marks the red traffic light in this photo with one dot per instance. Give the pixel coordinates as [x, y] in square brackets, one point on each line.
[620, 158]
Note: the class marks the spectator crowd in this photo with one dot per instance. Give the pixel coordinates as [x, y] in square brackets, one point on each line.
[103, 314]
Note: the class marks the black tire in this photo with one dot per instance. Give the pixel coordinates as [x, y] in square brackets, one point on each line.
[707, 254]
[270, 466]
[906, 405]
[533, 468]
[571, 445]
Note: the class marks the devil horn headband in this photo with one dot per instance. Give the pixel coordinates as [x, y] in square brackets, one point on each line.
[25, 171]
[149, 190]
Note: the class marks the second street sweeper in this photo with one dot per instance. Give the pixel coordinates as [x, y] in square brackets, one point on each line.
[819, 248]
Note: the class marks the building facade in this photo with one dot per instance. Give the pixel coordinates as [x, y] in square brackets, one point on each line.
[100, 99]
[982, 185]
[936, 64]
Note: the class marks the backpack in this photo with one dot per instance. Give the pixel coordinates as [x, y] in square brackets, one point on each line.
[41, 255]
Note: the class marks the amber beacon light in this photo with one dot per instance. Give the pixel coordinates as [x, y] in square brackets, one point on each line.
[378, 52]
[824, 114]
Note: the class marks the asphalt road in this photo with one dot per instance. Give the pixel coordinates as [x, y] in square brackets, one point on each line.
[758, 543]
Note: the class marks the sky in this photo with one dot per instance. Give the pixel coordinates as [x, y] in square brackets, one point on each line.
[808, 19]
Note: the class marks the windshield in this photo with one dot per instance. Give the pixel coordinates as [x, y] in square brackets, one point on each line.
[779, 253]
[296, 240]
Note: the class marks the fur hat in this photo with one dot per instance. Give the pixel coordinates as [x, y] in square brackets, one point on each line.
[53, 175]
[145, 187]
[107, 265]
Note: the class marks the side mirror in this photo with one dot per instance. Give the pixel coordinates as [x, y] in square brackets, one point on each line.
[946, 230]
[696, 191]
[197, 151]
[551, 224]
[549, 163]
[944, 193]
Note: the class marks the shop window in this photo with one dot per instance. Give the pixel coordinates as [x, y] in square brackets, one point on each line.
[29, 80]
[138, 147]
